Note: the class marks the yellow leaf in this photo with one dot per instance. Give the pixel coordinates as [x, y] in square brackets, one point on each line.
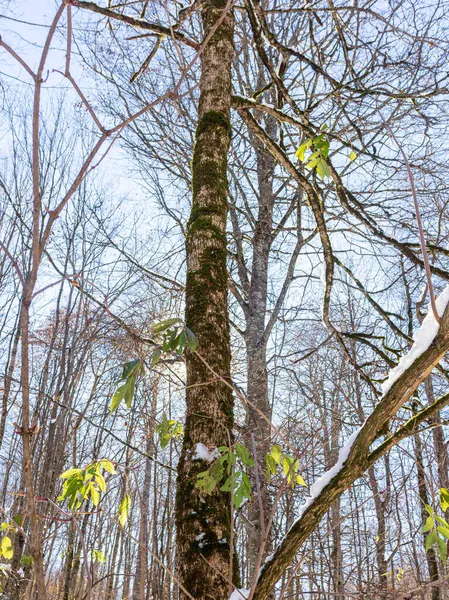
[123, 510]
[6, 548]
[70, 473]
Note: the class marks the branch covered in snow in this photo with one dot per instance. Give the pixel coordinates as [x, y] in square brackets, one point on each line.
[431, 345]
[423, 338]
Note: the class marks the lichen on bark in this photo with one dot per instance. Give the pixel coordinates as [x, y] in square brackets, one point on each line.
[204, 523]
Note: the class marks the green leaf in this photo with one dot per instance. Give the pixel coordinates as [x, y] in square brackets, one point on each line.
[130, 368]
[217, 471]
[238, 497]
[27, 560]
[300, 152]
[18, 519]
[444, 499]
[227, 486]
[441, 521]
[155, 356]
[271, 465]
[322, 168]
[300, 480]
[286, 465]
[70, 473]
[107, 466]
[192, 341]
[352, 155]
[99, 480]
[94, 494]
[430, 540]
[123, 510]
[125, 391]
[168, 429]
[442, 549]
[243, 455]
[313, 163]
[98, 556]
[444, 531]
[6, 548]
[276, 453]
[324, 148]
[71, 490]
[246, 484]
[182, 342]
[164, 325]
[428, 525]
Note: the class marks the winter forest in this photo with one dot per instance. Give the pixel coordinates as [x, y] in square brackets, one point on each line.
[224, 290]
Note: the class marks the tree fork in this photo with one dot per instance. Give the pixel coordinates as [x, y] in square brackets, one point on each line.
[206, 562]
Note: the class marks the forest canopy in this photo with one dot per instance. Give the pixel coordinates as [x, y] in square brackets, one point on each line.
[224, 288]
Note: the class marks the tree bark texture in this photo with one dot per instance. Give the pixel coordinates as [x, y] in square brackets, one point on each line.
[204, 524]
[259, 408]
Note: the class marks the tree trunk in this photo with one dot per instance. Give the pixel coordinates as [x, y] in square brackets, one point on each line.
[205, 568]
[381, 537]
[438, 440]
[432, 563]
[259, 409]
[335, 517]
[141, 571]
[27, 432]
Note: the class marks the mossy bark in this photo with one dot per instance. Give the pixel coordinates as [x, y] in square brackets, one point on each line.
[204, 522]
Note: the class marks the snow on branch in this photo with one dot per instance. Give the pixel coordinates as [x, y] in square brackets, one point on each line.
[423, 338]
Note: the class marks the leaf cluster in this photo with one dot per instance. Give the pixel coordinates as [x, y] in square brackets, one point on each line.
[6, 549]
[85, 484]
[168, 429]
[236, 480]
[289, 464]
[317, 149]
[437, 528]
[174, 336]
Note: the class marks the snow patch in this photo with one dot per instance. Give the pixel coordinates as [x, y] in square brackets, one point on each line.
[241, 594]
[423, 338]
[202, 452]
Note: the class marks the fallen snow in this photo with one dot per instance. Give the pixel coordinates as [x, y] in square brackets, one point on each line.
[241, 594]
[423, 338]
[202, 452]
